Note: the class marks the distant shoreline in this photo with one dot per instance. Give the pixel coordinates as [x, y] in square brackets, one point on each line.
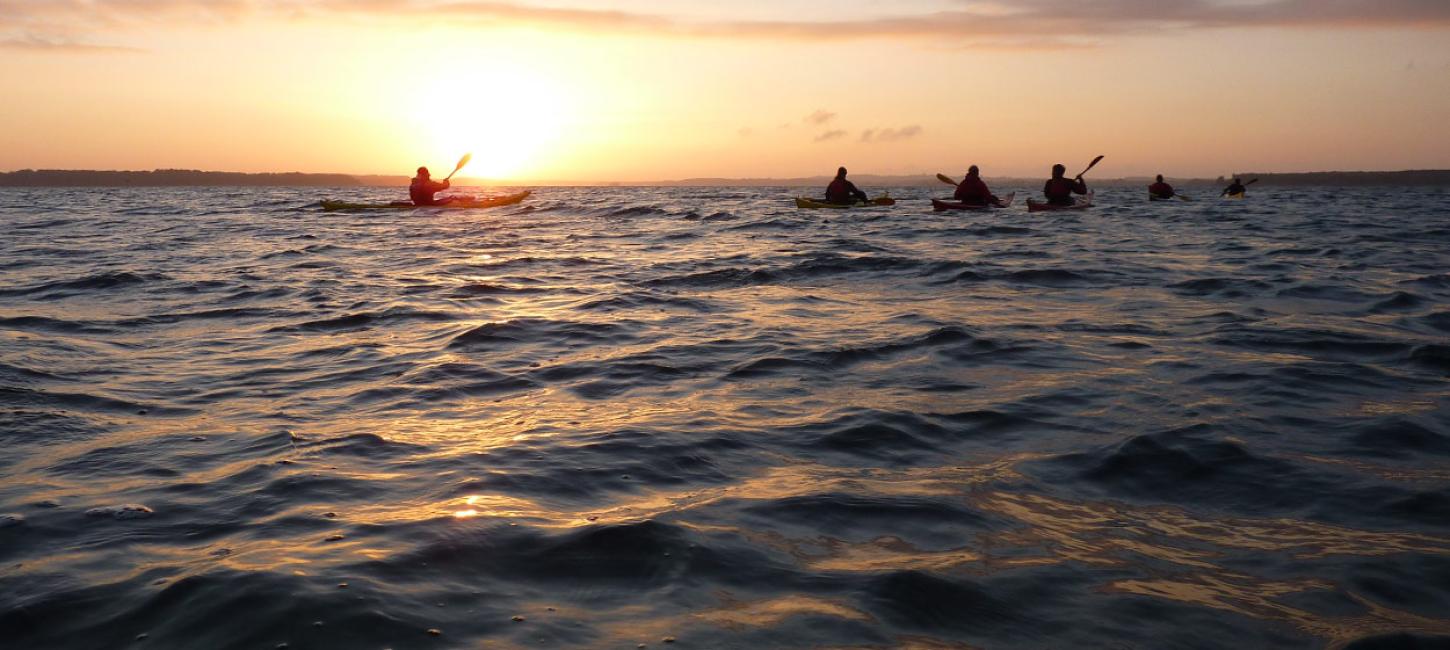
[196, 178]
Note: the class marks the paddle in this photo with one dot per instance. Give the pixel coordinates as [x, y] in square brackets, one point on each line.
[461, 162]
[1090, 166]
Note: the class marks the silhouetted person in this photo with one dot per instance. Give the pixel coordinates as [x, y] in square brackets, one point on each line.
[1235, 188]
[1161, 190]
[1059, 190]
[972, 191]
[424, 187]
[843, 191]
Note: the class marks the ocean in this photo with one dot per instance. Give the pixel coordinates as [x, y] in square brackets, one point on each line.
[702, 418]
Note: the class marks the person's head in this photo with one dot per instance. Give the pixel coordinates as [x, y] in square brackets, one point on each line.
[1160, 178]
[423, 172]
[841, 173]
[1058, 170]
[973, 171]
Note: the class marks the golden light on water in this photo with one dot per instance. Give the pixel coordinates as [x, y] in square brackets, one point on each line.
[474, 506]
[469, 512]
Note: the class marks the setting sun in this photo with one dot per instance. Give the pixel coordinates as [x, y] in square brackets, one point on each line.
[506, 116]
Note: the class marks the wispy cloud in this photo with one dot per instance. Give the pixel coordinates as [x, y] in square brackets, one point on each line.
[834, 134]
[819, 118]
[31, 43]
[1020, 24]
[891, 135]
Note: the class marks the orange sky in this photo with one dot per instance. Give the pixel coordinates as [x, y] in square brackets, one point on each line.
[653, 90]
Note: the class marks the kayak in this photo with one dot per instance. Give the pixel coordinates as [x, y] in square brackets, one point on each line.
[490, 202]
[1175, 197]
[942, 206]
[1078, 204]
[1236, 196]
[815, 204]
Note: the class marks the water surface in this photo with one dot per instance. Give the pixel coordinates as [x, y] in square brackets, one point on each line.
[612, 416]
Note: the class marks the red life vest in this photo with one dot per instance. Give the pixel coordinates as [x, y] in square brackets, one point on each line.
[973, 191]
[421, 191]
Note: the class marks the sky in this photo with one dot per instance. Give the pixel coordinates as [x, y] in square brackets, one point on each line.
[641, 90]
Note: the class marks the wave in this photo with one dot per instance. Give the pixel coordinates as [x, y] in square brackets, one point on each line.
[839, 358]
[535, 330]
[367, 320]
[85, 284]
[1223, 287]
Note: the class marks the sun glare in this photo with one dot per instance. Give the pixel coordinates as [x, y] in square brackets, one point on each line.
[507, 118]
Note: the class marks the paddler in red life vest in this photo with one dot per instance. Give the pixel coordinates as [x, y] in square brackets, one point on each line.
[1161, 190]
[843, 191]
[1059, 190]
[972, 191]
[424, 187]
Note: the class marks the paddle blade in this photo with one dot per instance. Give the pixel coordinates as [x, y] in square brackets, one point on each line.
[946, 179]
[1090, 166]
[461, 162]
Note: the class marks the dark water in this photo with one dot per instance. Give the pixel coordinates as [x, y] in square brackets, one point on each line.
[233, 421]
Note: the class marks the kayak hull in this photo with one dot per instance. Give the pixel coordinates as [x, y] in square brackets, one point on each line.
[491, 202]
[942, 206]
[816, 204]
[1176, 197]
[1239, 196]
[1079, 204]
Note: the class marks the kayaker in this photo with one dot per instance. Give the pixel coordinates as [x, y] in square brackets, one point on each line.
[424, 187]
[843, 191]
[1059, 190]
[1236, 188]
[1161, 190]
[972, 191]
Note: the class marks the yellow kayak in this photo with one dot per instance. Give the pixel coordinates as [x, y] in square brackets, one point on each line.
[815, 204]
[490, 202]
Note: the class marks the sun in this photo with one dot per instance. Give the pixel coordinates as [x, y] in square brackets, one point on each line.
[506, 117]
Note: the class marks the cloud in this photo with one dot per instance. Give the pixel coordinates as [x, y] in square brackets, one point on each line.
[819, 118]
[831, 135]
[891, 135]
[1021, 24]
[1026, 21]
[505, 13]
[31, 43]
